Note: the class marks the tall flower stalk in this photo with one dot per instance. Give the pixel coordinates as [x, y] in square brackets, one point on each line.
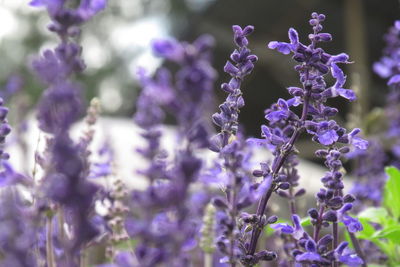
[313, 64]
[166, 223]
[239, 191]
[61, 105]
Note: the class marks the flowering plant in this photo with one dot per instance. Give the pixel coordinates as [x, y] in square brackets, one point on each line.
[204, 202]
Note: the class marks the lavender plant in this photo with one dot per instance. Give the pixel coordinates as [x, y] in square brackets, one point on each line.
[166, 225]
[65, 183]
[179, 218]
[313, 65]
[240, 191]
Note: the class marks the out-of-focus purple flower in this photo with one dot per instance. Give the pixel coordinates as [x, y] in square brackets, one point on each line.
[8, 176]
[18, 235]
[61, 14]
[370, 174]
[14, 85]
[104, 167]
[59, 108]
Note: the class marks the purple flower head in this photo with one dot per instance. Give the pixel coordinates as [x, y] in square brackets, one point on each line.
[103, 168]
[89, 8]
[65, 17]
[345, 256]
[59, 108]
[8, 176]
[17, 240]
[311, 255]
[169, 49]
[387, 67]
[240, 65]
[296, 230]
[352, 224]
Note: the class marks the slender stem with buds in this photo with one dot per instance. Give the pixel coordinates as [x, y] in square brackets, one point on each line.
[278, 163]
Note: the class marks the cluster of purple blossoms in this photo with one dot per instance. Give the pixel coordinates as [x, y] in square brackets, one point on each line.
[164, 215]
[161, 225]
[313, 65]
[388, 68]
[65, 184]
[240, 192]
[17, 220]
[369, 173]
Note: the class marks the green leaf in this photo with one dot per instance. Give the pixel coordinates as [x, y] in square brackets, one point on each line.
[391, 233]
[368, 230]
[376, 215]
[305, 222]
[391, 198]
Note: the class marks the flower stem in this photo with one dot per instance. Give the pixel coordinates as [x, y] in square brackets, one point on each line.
[357, 248]
[208, 260]
[335, 234]
[318, 225]
[278, 163]
[49, 243]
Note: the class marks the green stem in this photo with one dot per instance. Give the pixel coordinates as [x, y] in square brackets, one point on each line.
[49, 243]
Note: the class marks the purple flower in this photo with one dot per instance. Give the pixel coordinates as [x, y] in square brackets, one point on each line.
[296, 230]
[352, 224]
[311, 255]
[345, 256]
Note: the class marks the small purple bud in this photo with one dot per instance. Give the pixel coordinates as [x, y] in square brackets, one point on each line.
[3, 113]
[300, 192]
[227, 88]
[284, 186]
[272, 219]
[349, 198]
[231, 69]
[313, 213]
[5, 129]
[325, 37]
[265, 255]
[330, 216]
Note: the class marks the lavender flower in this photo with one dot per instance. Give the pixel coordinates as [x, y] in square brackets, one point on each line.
[388, 68]
[240, 191]
[61, 105]
[314, 64]
[316, 252]
[166, 223]
[18, 235]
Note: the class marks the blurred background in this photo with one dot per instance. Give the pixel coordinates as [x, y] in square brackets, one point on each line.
[117, 42]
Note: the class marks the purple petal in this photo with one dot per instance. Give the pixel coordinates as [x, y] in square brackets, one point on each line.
[282, 47]
[395, 79]
[382, 70]
[293, 36]
[309, 257]
[352, 224]
[283, 228]
[338, 74]
[347, 93]
[328, 137]
[351, 260]
[230, 68]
